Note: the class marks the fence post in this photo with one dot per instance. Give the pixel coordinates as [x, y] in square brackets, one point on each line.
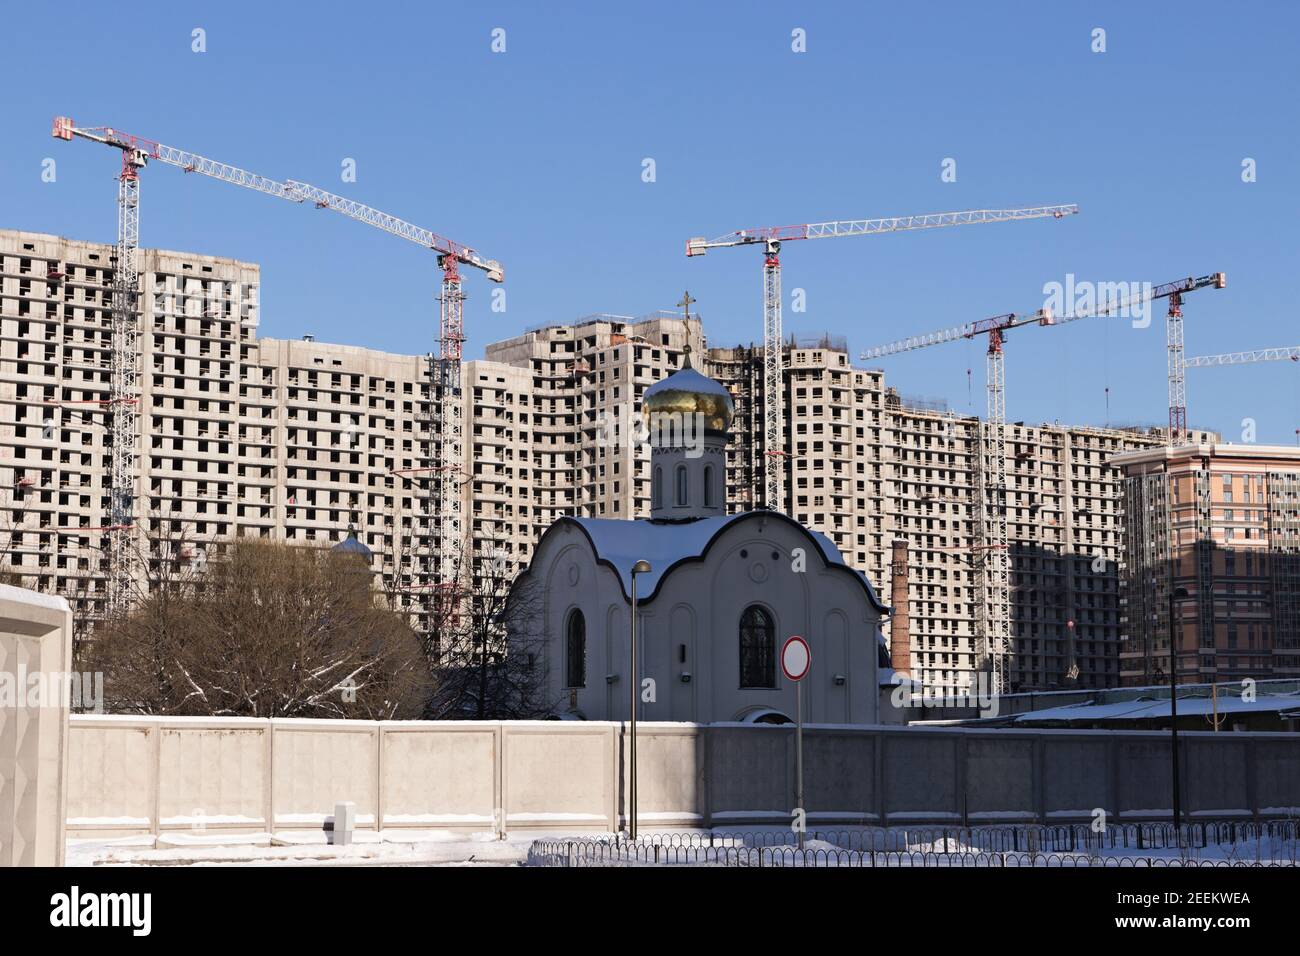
[155, 776]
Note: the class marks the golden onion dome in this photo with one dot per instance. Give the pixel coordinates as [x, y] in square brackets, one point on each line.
[689, 392]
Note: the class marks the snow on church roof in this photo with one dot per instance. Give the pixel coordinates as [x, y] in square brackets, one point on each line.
[622, 543]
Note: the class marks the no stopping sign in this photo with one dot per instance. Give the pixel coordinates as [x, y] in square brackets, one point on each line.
[796, 658]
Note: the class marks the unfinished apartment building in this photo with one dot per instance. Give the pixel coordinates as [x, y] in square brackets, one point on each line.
[298, 440]
[239, 436]
[866, 467]
[294, 440]
[584, 383]
[1215, 527]
[198, 317]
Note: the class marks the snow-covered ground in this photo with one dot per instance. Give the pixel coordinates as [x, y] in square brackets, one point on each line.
[307, 848]
[441, 848]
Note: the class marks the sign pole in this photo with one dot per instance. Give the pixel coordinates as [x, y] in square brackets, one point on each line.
[798, 753]
[796, 659]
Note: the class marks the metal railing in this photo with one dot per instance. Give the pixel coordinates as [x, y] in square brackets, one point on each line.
[1218, 843]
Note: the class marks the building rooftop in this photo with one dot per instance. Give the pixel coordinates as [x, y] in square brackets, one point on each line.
[1207, 450]
[621, 543]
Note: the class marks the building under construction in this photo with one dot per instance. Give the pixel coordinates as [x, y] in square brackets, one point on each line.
[298, 440]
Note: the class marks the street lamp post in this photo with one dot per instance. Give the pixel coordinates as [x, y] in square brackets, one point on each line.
[641, 567]
[1175, 593]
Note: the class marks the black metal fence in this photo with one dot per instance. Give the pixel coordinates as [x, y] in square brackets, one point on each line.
[1230, 843]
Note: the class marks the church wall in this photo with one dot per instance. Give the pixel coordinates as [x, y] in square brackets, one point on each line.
[690, 629]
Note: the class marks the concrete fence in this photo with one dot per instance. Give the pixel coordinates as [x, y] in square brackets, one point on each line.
[35, 656]
[159, 775]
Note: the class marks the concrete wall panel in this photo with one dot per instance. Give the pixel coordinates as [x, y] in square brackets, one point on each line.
[562, 779]
[999, 779]
[446, 778]
[212, 774]
[1076, 778]
[111, 774]
[919, 778]
[319, 763]
[1277, 775]
[1214, 782]
[750, 774]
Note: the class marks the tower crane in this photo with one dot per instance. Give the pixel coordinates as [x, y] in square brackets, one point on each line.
[123, 432]
[123, 428]
[991, 475]
[443, 424]
[1244, 358]
[771, 238]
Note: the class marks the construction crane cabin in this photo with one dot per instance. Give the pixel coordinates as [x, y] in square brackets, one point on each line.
[771, 238]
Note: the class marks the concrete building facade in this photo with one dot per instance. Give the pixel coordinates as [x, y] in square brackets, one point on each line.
[298, 440]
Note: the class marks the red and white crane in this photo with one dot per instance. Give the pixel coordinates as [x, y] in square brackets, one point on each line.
[443, 424]
[771, 238]
[123, 429]
[123, 425]
[991, 475]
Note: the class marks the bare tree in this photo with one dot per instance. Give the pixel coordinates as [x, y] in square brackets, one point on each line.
[478, 674]
[266, 630]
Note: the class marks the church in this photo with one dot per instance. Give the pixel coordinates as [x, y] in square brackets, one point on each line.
[717, 595]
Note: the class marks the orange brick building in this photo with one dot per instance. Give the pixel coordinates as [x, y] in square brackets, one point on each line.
[1221, 522]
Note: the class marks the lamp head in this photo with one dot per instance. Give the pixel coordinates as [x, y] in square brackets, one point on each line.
[641, 567]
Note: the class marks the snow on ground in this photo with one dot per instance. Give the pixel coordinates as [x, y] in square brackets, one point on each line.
[306, 848]
[413, 847]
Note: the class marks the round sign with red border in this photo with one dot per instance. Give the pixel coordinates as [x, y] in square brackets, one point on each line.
[796, 658]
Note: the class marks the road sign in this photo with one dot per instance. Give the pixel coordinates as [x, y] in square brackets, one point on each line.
[796, 658]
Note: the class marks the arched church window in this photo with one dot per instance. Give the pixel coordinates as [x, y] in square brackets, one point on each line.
[681, 485]
[757, 648]
[708, 486]
[657, 489]
[575, 650]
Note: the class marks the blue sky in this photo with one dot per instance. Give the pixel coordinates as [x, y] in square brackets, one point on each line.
[534, 156]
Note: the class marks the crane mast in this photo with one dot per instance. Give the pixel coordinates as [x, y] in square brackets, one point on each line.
[123, 386]
[992, 560]
[123, 419]
[996, 583]
[442, 417]
[1177, 433]
[771, 239]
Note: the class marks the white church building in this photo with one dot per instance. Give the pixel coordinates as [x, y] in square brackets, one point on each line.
[722, 594]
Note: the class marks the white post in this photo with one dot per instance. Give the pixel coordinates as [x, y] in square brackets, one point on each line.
[345, 821]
